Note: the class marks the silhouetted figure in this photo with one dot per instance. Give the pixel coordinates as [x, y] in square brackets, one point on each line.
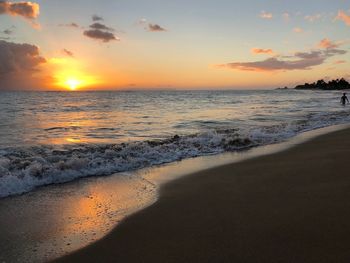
[344, 99]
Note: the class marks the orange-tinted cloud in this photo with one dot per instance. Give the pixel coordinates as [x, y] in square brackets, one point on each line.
[266, 15]
[298, 30]
[27, 10]
[344, 17]
[262, 51]
[339, 62]
[286, 16]
[326, 43]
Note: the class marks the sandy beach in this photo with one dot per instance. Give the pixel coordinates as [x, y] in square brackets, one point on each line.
[285, 207]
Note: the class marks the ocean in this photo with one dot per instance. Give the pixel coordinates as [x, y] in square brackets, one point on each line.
[55, 137]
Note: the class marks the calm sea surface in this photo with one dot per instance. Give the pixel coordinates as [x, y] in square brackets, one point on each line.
[53, 137]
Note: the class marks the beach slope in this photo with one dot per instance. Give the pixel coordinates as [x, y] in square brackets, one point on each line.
[293, 206]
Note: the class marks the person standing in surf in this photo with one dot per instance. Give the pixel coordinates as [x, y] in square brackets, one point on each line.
[344, 99]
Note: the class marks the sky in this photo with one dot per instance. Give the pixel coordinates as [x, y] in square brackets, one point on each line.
[163, 44]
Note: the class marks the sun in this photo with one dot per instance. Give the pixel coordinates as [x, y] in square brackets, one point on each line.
[70, 75]
[73, 83]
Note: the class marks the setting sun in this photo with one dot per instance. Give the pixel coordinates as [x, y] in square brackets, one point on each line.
[71, 75]
[73, 83]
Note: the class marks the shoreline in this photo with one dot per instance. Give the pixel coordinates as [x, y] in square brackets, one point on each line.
[281, 207]
[103, 202]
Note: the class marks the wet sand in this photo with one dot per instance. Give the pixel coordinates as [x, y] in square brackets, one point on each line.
[291, 206]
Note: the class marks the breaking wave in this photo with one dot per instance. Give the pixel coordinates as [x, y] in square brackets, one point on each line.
[24, 168]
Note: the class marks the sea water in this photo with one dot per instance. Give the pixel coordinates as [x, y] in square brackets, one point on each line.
[56, 137]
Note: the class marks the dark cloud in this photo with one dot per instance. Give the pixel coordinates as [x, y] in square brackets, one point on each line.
[19, 57]
[68, 53]
[100, 35]
[300, 61]
[155, 28]
[100, 26]
[96, 18]
[18, 62]
[27, 10]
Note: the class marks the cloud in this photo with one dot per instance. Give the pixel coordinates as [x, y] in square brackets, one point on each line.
[100, 35]
[96, 18]
[299, 61]
[262, 51]
[298, 30]
[28, 10]
[142, 21]
[286, 16]
[67, 52]
[18, 62]
[155, 28]
[74, 25]
[100, 26]
[99, 31]
[266, 15]
[326, 43]
[344, 17]
[339, 62]
[7, 31]
[313, 18]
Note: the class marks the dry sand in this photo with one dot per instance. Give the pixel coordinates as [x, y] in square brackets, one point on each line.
[292, 206]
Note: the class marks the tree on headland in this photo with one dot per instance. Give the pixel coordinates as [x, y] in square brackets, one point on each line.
[337, 84]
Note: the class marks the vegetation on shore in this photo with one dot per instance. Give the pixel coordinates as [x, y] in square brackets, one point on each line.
[337, 84]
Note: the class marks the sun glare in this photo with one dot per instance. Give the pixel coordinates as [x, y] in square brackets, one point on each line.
[73, 83]
[70, 75]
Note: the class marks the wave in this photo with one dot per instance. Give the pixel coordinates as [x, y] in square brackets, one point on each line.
[22, 169]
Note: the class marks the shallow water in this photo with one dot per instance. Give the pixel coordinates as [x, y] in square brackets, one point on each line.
[55, 220]
[54, 137]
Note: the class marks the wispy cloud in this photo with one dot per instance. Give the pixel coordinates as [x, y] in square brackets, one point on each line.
[343, 16]
[266, 15]
[262, 51]
[298, 61]
[298, 30]
[96, 18]
[68, 52]
[72, 24]
[286, 16]
[313, 18]
[339, 62]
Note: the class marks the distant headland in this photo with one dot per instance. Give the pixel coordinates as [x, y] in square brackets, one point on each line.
[337, 84]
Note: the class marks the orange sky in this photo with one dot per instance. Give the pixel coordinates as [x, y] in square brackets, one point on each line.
[129, 46]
